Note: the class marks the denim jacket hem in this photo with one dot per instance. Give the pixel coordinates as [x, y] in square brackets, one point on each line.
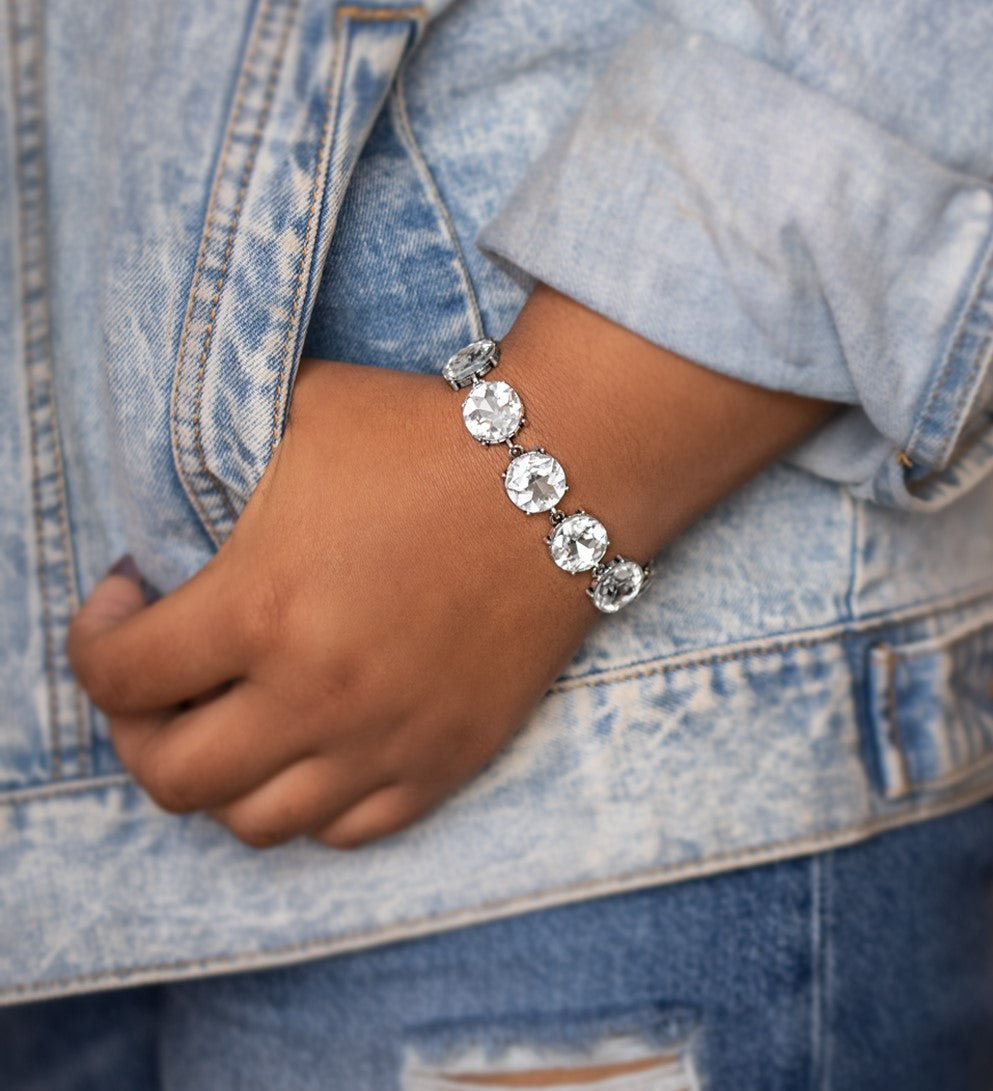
[559, 816]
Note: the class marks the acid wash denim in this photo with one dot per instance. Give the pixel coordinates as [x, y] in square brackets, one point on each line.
[794, 193]
[836, 971]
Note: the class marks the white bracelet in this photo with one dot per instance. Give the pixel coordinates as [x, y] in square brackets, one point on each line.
[534, 481]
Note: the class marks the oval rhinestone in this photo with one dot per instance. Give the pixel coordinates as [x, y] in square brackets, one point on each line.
[618, 585]
[535, 481]
[492, 411]
[479, 356]
[578, 542]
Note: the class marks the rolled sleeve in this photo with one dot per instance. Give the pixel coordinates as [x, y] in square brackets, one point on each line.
[736, 215]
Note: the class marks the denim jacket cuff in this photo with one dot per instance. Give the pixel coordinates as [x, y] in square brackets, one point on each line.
[736, 215]
[950, 448]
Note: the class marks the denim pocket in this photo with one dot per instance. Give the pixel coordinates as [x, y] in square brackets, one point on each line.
[309, 90]
[931, 707]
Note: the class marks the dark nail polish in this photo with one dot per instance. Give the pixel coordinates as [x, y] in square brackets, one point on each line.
[125, 566]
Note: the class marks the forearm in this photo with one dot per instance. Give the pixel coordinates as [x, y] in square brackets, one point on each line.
[648, 439]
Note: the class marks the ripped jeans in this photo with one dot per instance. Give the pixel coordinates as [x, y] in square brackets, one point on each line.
[868, 967]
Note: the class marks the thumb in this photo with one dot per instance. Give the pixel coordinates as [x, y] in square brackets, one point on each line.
[114, 599]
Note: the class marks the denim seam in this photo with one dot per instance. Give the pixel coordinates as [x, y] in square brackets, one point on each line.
[855, 506]
[322, 180]
[331, 104]
[233, 226]
[978, 296]
[53, 712]
[16, 796]
[405, 130]
[839, 633]
[80, 702]
[232, 230]
[827, 967]
[323, 946]
[816, 1082]
[891, 727]
[42, 363]
[971, 768]
[414, 13]
[193, 490]
[940, 643]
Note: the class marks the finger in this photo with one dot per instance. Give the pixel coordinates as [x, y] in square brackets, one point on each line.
[134, 659]
[308, 794]
[212, 753]
[382, 812]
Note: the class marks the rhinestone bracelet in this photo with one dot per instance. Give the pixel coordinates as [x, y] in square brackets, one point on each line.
[534, 481]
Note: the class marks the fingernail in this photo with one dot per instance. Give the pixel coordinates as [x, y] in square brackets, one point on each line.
[125, 566]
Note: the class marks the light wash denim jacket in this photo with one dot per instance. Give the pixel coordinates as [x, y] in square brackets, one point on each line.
[790, 192]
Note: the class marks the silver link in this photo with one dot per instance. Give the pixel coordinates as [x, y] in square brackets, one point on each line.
[515, 450]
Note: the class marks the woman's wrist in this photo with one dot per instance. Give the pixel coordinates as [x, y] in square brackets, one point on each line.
[648, 440]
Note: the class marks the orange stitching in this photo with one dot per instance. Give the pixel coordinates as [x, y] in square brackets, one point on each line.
[72, 594]
[246, 75]
[23, 187]
[15, 797]
[954, 350]
[415, 13]
[701, 661]
[315, 187]
[510, 906]
[204, 246]
[204, 239]
[267, 98]
[645, 670]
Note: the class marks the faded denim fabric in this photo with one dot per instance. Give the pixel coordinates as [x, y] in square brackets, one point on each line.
[814, 213]
[835, 971]
[189, 193]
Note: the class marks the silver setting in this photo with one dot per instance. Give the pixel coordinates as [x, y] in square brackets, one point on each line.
[535, 481]
[492, 411]
[617, 584]
[471, 363]
[578, 542]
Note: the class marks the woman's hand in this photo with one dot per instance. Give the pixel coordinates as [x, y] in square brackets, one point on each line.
[383, 619]
[380, 622]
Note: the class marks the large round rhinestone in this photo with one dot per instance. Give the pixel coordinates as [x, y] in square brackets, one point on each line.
[618, 585]
[479, 356]
[578, 542]
[535, 481]
[492, 411]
